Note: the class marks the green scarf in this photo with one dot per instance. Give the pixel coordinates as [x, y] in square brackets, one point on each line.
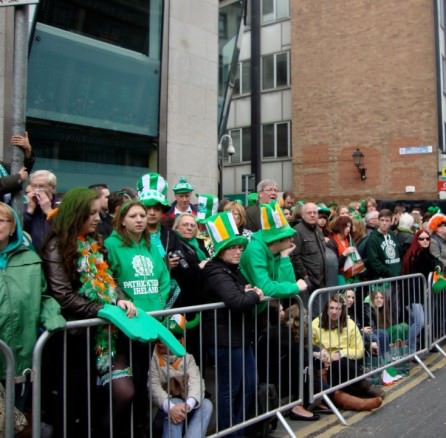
[193, 243]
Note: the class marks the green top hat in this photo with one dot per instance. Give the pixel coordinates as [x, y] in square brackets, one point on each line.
[152, 181]
[274, 224]
[182, 186]
[207, 206]
[152, 190]
[224, 232]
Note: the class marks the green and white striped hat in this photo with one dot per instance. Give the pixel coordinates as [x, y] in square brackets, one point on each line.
[207, 206]
[223, 231]
[182, 186]
[152, 190]
[274, 224]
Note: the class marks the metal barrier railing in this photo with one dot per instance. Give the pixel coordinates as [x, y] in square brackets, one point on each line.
[274, 348]
[437, 320]
[9, 389]
[401, 307]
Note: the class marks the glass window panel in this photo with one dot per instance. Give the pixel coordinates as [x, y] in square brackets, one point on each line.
[268, 141]
[246, 144]
[282, 70]
[124, 24]
[282, 139]
[267, 10]
[237, 84]
[268, 72]
[235, 134]
[246, 77]
[282, 9]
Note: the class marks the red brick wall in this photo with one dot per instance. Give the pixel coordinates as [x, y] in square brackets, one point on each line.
[363, 76]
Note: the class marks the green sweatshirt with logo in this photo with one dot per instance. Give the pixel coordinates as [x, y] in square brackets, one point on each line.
[383, 257]
[140, 272]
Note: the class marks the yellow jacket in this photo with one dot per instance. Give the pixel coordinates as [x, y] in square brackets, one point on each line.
[348, 342]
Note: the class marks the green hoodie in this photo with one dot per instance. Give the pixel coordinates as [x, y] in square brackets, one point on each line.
[273, 274]
[383, 257]
[140, 272]
[24, 306]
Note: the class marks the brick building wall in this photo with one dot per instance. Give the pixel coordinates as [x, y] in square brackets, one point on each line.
[363, 76]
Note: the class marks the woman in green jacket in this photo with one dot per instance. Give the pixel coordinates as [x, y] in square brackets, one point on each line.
[23, 303]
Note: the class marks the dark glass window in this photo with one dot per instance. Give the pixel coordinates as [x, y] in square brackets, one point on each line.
[282, 139]
[122, 23]
[268, 141]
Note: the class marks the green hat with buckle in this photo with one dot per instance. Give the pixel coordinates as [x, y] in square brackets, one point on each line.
[152, 190]
[223, 231]
[207, 206]
[182, 186]
[274, 224]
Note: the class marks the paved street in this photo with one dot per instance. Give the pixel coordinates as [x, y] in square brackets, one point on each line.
[414, 407]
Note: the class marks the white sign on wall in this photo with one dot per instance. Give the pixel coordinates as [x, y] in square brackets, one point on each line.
[410, 150]
[17, 2]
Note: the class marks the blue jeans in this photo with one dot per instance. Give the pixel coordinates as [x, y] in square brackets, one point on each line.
[416, 323]
[381, 337]
[236, 389]
[197, 422]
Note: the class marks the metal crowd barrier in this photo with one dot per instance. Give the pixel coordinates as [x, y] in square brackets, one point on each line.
[9, 389]
[278, 353]
[401, 332]
[438, 317]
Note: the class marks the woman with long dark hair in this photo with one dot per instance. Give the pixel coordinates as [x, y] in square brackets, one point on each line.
[79, 278]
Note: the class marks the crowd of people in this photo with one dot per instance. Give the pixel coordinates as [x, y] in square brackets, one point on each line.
[133, 249]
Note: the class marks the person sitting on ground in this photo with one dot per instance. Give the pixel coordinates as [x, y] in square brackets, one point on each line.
[177, 387]
[340, 350]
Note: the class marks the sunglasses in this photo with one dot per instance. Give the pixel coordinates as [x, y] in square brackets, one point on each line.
[424, 238]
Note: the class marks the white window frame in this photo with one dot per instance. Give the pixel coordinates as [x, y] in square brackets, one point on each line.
[274, 157]
[273, 16]
[229, 159]
[240, 76]
[275, 55]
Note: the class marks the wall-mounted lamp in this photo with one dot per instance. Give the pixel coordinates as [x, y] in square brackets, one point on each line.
[358, 160]
[225, 139]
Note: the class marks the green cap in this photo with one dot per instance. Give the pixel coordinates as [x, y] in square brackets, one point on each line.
[274, 224]
[182, 186]
[252, 198]
[223, 231]
[323, 209]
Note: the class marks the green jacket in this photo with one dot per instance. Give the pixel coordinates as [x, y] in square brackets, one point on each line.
[24, 306]
[383, 257]
[140, 272]
[273, 274]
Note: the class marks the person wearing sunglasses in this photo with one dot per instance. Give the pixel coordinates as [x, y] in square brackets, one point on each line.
[437, 224]
[418, 259]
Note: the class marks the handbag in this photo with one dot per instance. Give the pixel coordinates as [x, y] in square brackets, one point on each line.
[353, 265]
[20, 421]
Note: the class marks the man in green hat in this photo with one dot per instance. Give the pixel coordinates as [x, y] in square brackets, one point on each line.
[265, 263]
[183, 193]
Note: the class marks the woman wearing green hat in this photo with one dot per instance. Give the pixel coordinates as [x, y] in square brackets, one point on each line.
[229, 334]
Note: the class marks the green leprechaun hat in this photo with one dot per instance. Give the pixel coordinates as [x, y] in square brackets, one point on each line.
[252, 198]
[274, 224]
[438, 281]
[152, 190]
[178, 323]
[323, 209]
[182, 186]
[223, 231]
[207, 206]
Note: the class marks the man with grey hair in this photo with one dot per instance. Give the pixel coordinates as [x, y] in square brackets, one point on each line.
[267, 190]
[309, 256]
[371, 221]
[41, 194]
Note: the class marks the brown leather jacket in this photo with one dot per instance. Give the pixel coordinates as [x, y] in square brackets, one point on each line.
[65, 291]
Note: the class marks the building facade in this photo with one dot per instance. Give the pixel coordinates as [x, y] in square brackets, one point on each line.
[117, 88]
[368, 75]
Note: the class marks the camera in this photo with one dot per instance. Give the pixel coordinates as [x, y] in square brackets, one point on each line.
[178, 253]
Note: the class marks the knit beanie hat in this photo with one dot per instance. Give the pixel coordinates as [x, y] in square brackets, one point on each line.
[223, 231]
[182, 186]
[274, 224]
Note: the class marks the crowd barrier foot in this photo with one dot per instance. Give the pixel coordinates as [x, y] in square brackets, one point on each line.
[334, 409]
[285, 425]
[440, 349]
[425, 368]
